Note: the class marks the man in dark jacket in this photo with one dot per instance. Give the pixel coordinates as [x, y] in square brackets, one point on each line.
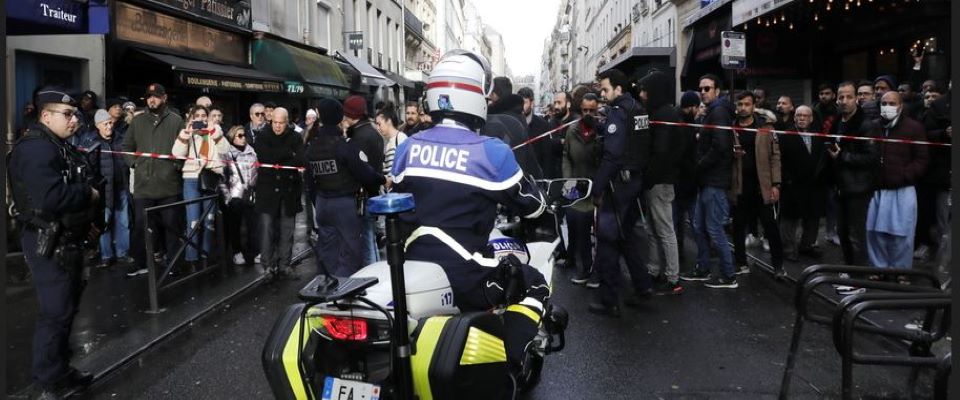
[616, 190]
[100, 145]
[854, 165]
[826, 108]
[686, 187]
[804, 161]
[667, 148]
[362, 134]
[936, 180]
[581, 157]
[156, 182]
[278, 193]
[505, 122]
[892, 214]
[545, 149]
[714, 175]
[257, 124]
[336, 171]
[785, 112]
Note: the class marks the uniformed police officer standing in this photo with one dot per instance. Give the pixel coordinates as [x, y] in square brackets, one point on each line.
[336, 171]
[56, 205]
[617, 187]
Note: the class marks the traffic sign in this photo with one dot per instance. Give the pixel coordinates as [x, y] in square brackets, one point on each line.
[733, 50]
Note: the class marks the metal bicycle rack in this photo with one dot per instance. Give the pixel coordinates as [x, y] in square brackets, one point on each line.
[846, 320]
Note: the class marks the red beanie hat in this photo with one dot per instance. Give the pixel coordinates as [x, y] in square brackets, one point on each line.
[355, 107]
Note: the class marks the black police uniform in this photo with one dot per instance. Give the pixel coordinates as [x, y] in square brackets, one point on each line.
[336, 172]
[618, 183]
[52, 193]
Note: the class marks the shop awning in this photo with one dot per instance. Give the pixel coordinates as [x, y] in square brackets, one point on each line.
[305, 72]
[399, 79]
[649, 53]
[203, 74]
[369, 75]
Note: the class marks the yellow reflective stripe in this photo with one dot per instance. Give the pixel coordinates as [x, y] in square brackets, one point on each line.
[291, 353]
[420, 362]
[517, 308]
[482, 348]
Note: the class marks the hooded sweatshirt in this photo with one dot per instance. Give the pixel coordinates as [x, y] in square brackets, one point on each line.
[668, 146]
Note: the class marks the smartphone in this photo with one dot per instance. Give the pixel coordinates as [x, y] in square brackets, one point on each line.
[198, 125]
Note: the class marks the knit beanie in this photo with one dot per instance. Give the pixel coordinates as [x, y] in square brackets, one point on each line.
[100, 116]
[330, 112]
[355, 107]
[689, 99]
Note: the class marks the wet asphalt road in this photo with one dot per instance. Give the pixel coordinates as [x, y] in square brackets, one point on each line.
[703, 344]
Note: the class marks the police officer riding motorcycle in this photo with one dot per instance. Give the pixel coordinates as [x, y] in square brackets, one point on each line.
[460, 349]
[58, 206]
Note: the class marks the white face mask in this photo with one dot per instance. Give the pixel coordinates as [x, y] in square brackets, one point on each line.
[889, 113]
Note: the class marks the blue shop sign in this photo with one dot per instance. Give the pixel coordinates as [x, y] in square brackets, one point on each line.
[68, 14]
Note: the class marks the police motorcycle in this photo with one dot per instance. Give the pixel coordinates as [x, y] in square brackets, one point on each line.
[350, 339]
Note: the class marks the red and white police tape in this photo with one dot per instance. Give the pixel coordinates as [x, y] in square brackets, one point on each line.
[552, 131]
[798, 133]
[174, 157]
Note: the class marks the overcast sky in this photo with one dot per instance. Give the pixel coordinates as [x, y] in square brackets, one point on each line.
[524, 25]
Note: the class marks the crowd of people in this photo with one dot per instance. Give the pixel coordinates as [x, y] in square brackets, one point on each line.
[755, 170]
[739, 165]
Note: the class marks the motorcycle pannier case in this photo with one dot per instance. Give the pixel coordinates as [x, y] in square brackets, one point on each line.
[460, 357]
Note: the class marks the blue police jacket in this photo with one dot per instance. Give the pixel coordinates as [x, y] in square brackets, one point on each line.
[458, 177]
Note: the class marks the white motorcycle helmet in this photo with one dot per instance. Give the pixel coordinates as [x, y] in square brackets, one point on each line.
[458, 88]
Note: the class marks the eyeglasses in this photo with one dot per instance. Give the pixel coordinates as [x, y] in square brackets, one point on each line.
[68, 114]
[240, 136]
[704, 89]
[259, 114]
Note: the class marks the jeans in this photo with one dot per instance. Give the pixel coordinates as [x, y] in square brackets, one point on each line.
[709, 215]
[115, 240]
[661, 237]
[368, 238]
[240, 214]
[167, 223]
[191, 190]
[580, 225]
[682, 206]
[276, 240]
[338, 239]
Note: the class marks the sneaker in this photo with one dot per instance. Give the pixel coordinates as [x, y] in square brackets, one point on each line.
[669, 288]
[580, 279]
[238, 259]
[256, 260]
[751, 241]
[780, 275]
[593, 283]
[922, 253]
[104, 263]
[742, 269]
[695, 275]
[134, 271]
[125, 260]
[914, 325]
[722, 283]
[766, 245]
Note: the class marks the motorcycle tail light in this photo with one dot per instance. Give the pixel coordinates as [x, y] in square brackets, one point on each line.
[344, 328]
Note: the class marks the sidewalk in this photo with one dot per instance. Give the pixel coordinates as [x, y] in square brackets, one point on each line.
[112, 323]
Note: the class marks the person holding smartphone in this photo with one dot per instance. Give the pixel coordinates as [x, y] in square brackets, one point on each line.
[203, 144]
